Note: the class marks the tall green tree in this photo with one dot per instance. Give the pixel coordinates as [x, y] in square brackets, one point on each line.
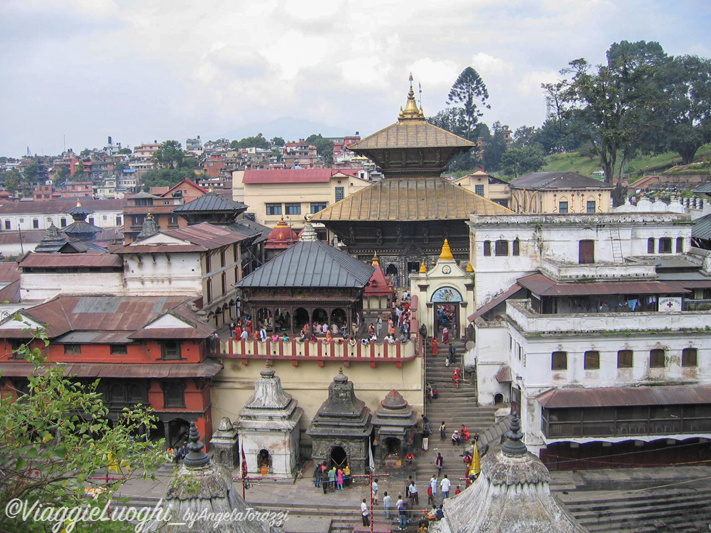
[494, 149]
[11, 178]
[323, 146]
[610, 105]
[687, 116]
[56, 435]
[61, 176]
[519, 161]
[169, 155]
[469, 93]
[258, 141]
[31, 172]
[79, 170]
[277, 141]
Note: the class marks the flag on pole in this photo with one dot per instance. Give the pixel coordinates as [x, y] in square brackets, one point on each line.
[371, 462]
[244, 464]
[475, 467]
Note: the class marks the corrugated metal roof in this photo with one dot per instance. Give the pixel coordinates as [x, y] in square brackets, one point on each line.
[540, 285]
[294, 175]
[411, 134]
[207, 369]
[702, 228]
[310, 264]
[495, 301]
[95, 260]
[706, 188]
[107, 315]
[94, 337]
[504, 374]
[625, 396]
[410, 199]
[207, 235]
[558, 181]
[210, 202]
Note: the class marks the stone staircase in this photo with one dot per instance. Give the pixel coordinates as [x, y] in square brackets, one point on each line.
[454, 406]
[662, 510]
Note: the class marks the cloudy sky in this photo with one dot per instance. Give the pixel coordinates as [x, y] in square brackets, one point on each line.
[77, 71]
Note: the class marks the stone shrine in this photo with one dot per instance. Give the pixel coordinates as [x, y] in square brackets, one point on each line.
[224, 444]
[341, 429]
[394, 423]
[269, 428]
[511, 494]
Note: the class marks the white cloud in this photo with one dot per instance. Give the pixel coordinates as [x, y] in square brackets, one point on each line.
[488, 65]
[530, 84]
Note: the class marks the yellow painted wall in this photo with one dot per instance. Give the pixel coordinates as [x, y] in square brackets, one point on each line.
[308, 384]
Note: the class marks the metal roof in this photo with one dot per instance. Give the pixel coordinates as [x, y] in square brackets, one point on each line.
[702, 228]
[495, 301]
[706, 188]
[407, 199]
[81, 227]
[310, 264]
[107, 314]
[557, 181]
[210, 202]
[540, 285]
[625, 396]
[411, 134]
[96, 260]
[207, 369]
[207, 235]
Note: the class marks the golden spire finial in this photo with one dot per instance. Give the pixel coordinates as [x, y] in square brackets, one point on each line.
[470, 268]
[78, 203]
[375, 261]
[423, 268]
[149, 216]
[411, 111]
[446, 254]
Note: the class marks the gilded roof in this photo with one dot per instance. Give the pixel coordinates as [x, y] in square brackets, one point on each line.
[405, 199]
[411, 134]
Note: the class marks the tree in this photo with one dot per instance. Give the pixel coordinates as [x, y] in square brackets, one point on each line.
[169, 155]
[119, 167]
[687, 117]
[167, 177]
[79, 170]
[125, 151]
[61, 176]
[611, 105]
[519, 161]
[524, 136]
[277, 141]
[324, 147]
[469, 94]
[31, 172]
[554, 136]
[56, 435]
[494, 149]
[257, 141]
[11, 179]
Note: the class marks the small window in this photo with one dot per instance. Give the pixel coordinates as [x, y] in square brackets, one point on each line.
[563, 208]
[15, 345]
[119, 349]
[72, 349]
[487, 248]
[688, 357]
[340, 192]
[665, 245]
[35, 223]
[63, 223]
[624, 359]
[592, 360]
[171, 349]
[173, 395]
[516, 247]
[650, 245]
[502, 248]
[586, 252]
[293, 209]
[479, 189]
[656, 359]
[680, 245]
[8, 224]
[559, 361]
[591, 206]
[119, 220]
[273, 209]
[318, 206]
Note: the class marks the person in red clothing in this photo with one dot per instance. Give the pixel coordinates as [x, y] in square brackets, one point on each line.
[435, 350]
[455, 376]
[457, 491]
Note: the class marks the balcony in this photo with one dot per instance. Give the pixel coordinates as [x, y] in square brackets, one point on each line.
[532, 323]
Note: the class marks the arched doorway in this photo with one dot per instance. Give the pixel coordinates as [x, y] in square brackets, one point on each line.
[446, 311]
[392, 448]
[301, 317]
[264, 461]
[498, 399]
[320, 316]
[338, 317]
[339, 457]
[391, 272]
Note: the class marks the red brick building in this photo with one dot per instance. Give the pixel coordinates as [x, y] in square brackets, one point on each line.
[147, 350]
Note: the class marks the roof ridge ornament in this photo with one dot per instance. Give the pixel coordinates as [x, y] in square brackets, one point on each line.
[446, 254]
[411, 111]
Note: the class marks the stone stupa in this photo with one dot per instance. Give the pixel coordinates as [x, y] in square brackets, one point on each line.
[512, 495]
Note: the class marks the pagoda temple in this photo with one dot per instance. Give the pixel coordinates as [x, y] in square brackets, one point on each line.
[406, 216]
